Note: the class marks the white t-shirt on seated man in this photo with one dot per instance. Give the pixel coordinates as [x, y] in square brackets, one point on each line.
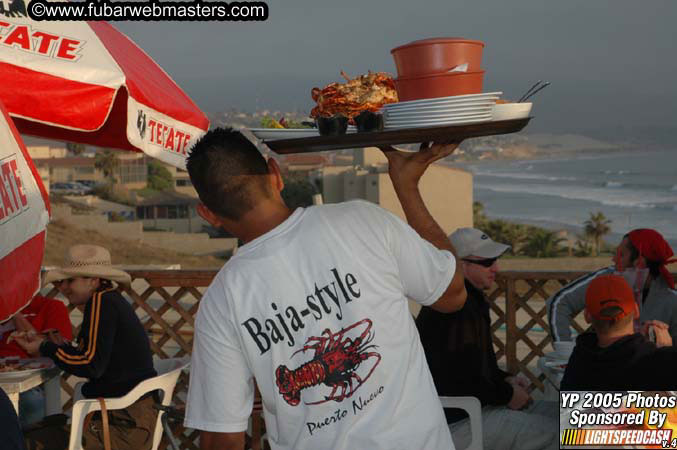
[315, 309]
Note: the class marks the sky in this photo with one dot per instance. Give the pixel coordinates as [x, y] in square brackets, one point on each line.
[611, 62]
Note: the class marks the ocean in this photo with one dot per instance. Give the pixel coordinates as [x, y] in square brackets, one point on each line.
[634, 189]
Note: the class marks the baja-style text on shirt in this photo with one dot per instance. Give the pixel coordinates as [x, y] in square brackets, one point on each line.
[281, 327]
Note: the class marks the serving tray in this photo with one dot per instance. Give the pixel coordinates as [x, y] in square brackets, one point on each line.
[396, 137]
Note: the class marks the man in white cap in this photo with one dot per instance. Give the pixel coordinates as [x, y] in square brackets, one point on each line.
[111, 350]
[461, 357]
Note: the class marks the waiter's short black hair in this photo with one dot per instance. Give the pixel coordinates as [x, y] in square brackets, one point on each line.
[228, 172]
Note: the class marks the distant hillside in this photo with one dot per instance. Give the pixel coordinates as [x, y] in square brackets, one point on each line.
[629, 136]
[568, 142]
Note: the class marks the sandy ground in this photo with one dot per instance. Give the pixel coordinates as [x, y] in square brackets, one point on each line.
[123, 252]
[128, 252]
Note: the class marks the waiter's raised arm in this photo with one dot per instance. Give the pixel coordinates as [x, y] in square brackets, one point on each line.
[405, 170]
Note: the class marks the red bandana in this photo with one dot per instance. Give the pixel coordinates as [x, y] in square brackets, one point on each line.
[653, 247]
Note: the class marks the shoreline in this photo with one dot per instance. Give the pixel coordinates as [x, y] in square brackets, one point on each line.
[618, 191]
[542, 155]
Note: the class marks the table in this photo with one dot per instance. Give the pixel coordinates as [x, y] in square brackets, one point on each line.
[51, 378]
[553, 378]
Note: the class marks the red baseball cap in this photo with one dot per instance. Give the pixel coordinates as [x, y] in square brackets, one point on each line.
[609, 290]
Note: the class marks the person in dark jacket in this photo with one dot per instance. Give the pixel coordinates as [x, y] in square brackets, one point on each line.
[111, 350]
[9, 424]
[460, 353]
[613, 357]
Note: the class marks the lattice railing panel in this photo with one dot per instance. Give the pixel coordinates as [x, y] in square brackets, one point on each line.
[167, 301]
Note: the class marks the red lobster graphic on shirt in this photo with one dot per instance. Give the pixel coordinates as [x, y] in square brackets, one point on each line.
[334, 363]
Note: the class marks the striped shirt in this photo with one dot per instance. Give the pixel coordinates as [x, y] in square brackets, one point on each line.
[112, 349]
[568, 302]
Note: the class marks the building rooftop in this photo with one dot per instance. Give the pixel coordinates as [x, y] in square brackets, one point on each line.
[302, 159]
[165, 198]
[65, 162]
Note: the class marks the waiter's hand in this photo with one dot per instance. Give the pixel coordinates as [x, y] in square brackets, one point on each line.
[406, 168]
[30, 342]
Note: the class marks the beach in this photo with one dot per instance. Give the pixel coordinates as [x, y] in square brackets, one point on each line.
[635, 189]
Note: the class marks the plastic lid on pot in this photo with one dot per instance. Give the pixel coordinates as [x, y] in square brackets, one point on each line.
[439, 40]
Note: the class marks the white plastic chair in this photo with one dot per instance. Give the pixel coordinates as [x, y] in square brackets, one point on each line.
[168, 373]
[474, 408]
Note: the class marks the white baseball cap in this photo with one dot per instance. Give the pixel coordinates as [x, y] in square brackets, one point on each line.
[474, 242]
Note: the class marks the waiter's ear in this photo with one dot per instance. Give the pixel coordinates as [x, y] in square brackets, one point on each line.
[275, 173]
[207, 214]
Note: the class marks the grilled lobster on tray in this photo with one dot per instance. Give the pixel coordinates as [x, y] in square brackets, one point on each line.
[363, 93]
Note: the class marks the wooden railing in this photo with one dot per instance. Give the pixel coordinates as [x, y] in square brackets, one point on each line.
[167, 302]
[520, 329]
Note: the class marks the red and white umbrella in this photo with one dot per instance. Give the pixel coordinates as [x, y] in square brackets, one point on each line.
[24, 213]
[87, 82]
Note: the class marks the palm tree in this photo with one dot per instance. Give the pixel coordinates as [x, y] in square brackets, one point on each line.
[515, 236]
[107, 162]
[497, 229]
[74, 148]
[596, 227]
[583, 246]
[479, 218]
[543, 244]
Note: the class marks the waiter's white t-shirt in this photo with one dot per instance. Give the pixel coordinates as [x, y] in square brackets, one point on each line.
[316, 311]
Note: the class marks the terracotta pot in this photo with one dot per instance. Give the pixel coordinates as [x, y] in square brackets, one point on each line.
[437, 55]
[440, 85]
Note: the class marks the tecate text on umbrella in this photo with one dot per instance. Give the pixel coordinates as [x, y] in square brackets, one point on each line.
[38, 42]
[13, 199]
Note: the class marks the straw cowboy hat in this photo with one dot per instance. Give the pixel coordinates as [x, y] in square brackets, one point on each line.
[89, 261]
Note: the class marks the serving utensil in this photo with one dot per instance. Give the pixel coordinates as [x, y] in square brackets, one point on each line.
[533, 90]
[529, 90]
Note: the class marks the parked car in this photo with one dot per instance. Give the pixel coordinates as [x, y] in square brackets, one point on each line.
[71, 188]
[88, 183]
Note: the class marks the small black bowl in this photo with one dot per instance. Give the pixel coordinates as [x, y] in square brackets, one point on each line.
[332, 126]
[368, 121]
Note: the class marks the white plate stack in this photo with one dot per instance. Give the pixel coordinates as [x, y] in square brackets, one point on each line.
[432, 112]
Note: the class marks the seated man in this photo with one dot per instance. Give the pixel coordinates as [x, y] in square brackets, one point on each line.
[640, 248]
[40, 315]
[112, 351]
[605, 360]
[461, 357]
